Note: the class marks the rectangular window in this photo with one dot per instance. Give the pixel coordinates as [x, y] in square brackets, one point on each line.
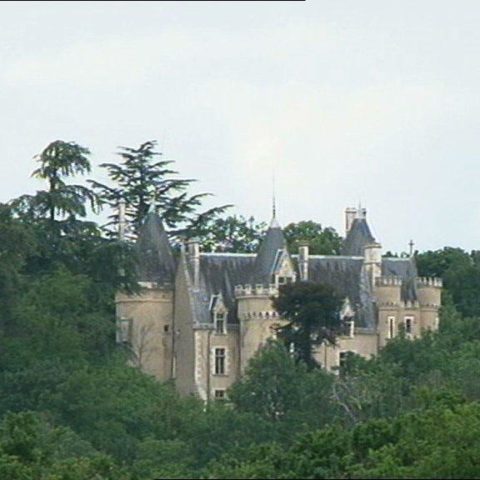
[220, 323]
[408, 325]
[391, 327]
[220, 395]
[350, 328]
[124, 334]
[219, 361]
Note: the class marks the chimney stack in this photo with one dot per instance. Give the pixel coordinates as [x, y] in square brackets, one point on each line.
[121, 219]
[303, 253]
[350, 215]
[373, 261]
[193, 251]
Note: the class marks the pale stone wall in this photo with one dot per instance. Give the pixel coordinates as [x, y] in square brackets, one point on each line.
[423, 313]
[364, 344]
[257, 324]
[230, 343]
[151, 315]
[206, 380]
[429, 296]
[184, 336]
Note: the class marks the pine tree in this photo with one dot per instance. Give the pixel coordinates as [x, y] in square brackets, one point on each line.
[144, 182]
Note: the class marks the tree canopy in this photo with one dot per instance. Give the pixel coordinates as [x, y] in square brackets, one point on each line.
[312, 312]
[71, 407]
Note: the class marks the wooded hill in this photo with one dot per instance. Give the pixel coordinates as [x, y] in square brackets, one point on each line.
[72, 409]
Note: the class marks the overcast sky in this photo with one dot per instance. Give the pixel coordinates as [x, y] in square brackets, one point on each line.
[346, 100]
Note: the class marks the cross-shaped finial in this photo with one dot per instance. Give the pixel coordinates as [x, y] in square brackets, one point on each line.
[411, 244]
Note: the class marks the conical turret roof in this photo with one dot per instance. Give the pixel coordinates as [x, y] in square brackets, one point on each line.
[274, 240]
[154, 253]
[357, 238]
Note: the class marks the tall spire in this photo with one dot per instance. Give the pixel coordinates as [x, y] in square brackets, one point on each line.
[155, 258]
[274, 200]
[274, 223]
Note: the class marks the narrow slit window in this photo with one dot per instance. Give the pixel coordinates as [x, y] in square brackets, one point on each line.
[408, 325]
[391, 327]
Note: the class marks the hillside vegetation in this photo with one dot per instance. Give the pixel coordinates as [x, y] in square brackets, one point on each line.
[71, 408]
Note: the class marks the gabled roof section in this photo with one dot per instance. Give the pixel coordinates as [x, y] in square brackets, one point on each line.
[406, 269]
[154, 253]
[357, 238]
[267, 253]
[348, 277]
[219, 274]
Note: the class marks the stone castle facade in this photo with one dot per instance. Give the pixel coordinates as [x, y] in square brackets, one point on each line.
[199, 318]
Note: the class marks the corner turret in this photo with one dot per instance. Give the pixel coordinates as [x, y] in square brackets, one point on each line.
[145, 320]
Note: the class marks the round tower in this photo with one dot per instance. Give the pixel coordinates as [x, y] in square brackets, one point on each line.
[145, 320]
[389, 301]
[429, 292]
[388, 291]
[258, 319]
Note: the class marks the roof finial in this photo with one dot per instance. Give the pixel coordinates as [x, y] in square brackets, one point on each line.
[274, 200]
[361, 211]
[153, 206]
[411, 245]
[274, 223]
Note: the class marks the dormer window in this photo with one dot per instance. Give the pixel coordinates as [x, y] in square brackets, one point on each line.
[284, 280]
[350, 328]
[220, 324]
[283, 271]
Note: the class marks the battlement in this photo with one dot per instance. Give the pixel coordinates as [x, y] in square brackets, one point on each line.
[258, 290]
[429, 282]
[388, 304]
[388, 281]
[410, 305]
[268, 314]
[155, 285]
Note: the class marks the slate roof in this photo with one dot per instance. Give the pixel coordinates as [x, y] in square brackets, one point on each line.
[273, 241]
[154, 253]
[346, 275]
[357, 238]
[407, 270]
[220, 273]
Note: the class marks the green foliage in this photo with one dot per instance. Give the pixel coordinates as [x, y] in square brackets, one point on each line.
[321, 241]
[313, 314]
[58, 161]
[460, 272]
[143, 181]
[232, 234]
[16, 244]
[30, 448]
[71, 408]
[278, 389]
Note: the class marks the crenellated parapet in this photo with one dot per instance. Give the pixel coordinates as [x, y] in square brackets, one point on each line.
[156, 286]
[259, 290]
[429, 282]
[267, 315]
[388, 281]
[410, 305]
[429, 291]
